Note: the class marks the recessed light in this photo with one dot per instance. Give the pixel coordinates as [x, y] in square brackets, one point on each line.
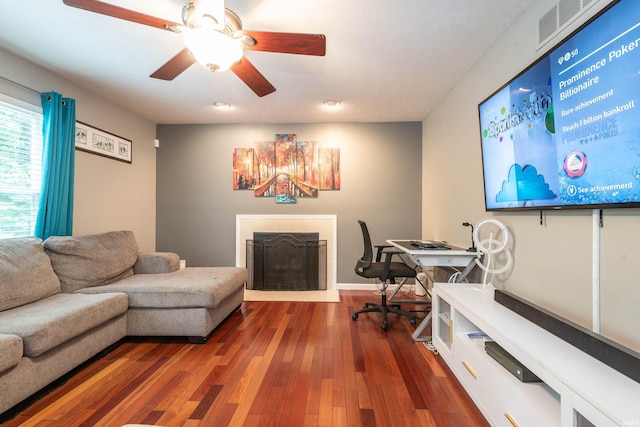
[221, 104]
[332, 103]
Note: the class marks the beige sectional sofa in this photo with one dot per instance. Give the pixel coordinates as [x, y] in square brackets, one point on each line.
[66, 299]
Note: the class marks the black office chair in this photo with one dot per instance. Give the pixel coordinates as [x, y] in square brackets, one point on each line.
[386, 272]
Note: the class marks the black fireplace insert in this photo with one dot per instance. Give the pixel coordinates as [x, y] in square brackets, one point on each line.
[279, 261]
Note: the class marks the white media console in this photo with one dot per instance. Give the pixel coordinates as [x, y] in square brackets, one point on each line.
[576, 389]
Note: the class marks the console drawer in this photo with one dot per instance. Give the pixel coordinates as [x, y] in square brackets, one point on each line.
[507, 401]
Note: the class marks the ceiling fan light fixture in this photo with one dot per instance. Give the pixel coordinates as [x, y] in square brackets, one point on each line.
[213, 36]
[331, 103]
[212, 10]
[213, 49]
[221, 105]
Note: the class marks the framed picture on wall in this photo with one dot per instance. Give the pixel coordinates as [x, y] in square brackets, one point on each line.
[97, 141]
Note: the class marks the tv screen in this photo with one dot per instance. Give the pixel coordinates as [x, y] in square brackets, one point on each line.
[565, 132]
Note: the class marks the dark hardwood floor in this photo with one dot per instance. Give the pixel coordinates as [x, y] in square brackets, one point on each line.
[270, 364]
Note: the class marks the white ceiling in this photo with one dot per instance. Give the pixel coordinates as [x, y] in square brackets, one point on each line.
[386, 60]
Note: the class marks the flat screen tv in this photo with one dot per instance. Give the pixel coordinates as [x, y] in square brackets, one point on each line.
[565, 132]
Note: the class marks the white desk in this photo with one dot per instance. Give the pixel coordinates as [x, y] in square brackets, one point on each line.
[454, 257]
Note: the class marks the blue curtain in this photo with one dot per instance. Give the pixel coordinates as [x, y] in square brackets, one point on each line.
[55, 211]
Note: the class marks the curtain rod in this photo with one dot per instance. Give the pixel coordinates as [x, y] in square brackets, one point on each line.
[19, 85]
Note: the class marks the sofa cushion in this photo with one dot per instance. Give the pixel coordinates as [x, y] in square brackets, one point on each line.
[92, 260]
[10, 351]
[52, 321]
[25, 272]
[156, 263]
[186, 288]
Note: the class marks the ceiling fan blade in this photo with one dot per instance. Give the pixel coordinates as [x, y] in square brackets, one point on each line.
[249, 74]
[176, 65]
[296, 43]
[121, 13]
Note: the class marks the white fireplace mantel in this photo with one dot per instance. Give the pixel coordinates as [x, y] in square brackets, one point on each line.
[325, 225]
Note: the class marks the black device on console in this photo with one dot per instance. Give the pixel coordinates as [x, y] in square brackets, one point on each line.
[510, 363]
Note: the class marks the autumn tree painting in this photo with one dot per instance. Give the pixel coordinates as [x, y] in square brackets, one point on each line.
[286, 168]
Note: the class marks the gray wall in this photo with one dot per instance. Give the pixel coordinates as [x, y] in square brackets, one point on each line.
[380, 166]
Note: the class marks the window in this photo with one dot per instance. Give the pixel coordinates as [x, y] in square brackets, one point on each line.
[20, 166]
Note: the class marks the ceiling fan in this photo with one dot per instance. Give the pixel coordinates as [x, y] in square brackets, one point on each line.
[213, 36]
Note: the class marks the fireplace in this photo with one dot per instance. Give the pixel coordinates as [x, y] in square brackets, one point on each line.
[286, 261]
[324, 224]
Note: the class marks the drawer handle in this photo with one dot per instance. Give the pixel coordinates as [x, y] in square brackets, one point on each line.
[511, 420]
[471, 371]
[450, 331]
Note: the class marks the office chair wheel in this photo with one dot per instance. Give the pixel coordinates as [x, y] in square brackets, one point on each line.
[412, 321]
[384, 326]
[355, 316]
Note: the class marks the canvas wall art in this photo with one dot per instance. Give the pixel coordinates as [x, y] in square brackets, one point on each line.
[286, 169]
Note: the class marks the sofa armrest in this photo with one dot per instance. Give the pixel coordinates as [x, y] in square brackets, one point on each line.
[156, 262]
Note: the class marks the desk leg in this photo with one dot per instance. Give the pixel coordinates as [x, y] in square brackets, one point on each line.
[466, 271]
[416, 334]
[415, 301]
[425, 322]
[463, 274]
[398, 287]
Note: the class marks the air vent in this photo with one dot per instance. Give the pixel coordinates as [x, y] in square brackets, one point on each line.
[559, 16]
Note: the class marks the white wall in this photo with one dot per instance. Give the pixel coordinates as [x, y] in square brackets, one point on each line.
[109, 195]
[553, 261]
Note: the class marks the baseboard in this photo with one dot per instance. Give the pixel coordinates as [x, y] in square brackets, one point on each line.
[330, 295]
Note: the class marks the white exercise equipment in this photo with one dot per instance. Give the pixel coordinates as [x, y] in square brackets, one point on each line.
[491, 246]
